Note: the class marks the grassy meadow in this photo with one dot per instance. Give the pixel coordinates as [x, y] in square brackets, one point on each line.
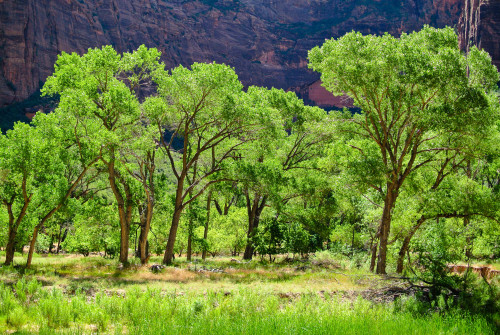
[71, 294]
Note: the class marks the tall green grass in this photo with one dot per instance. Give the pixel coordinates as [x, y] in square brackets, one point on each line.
[28, 308]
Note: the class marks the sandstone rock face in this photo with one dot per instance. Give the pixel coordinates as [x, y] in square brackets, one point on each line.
[479, 25]
[266, 41]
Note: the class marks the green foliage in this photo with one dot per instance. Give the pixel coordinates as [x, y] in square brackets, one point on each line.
[227, 233]
[94, 229]
[275, 236]
[269, 238]
[436, 248]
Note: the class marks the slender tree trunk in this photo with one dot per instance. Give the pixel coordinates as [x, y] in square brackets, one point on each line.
[190, 239]
[32, 246]
[143, 237]
[406, 245]
[205, 231]
[352, 240]
[374, 255]
[169, 250]
[189, 251]
[61, 240]
[51, 243]
[124, 203]
[147, 179]
[251, 209]
[468, 238]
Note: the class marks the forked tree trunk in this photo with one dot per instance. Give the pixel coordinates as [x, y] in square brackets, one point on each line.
[254, 210]
[14, 223]
[143, 237]
[124, 203]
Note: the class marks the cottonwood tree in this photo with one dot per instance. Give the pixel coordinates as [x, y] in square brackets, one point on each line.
[139, 159]
[419, 97]
[23, 161]
[272, 165]
[71, 153]
[203, 108]
[103, 86]
[452, 188]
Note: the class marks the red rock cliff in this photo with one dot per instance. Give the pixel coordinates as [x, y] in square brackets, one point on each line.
[265, 40]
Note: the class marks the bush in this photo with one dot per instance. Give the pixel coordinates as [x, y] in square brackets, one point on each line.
[446, 291]
[325, 259]
[17, 317]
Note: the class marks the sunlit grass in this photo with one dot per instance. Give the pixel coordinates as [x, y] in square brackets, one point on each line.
[63, 270]
[74, 294]
[244, 311]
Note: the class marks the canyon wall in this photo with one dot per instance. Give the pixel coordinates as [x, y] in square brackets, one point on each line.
[480, 25]
[266, 41]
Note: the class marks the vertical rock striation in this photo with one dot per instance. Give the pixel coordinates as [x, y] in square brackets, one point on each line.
[479, 25]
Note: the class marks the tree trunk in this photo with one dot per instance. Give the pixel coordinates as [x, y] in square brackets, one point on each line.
[468, 238]
[385, 229]
[124, 242]
[406, 244]
[251, 209]
[254, 211]
[205, 231]
[32, 246]
[169, 251]
[124, 203]
[352, 240]
[61, 240]
[14, 225]
[11, 245]
[143, 251]
[51, 243]
[374, 255]
[190, 239]
[143, 237]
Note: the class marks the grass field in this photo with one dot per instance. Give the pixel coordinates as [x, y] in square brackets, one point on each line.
[74, 295]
